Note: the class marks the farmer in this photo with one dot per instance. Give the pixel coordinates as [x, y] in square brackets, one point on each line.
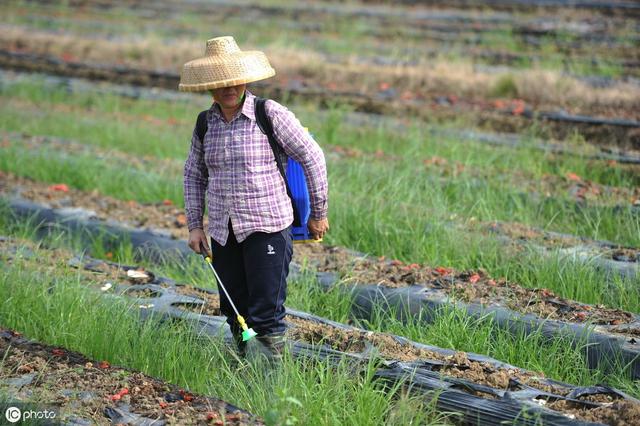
[249, 211]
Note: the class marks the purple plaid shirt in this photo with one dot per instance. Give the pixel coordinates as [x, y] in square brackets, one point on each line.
[236, 169]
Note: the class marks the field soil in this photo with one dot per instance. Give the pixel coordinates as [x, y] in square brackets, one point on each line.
[148, 397]
[95, 391]
[468, 286]
[606, 408]
[554, 240]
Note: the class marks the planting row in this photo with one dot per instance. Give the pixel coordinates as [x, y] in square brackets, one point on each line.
[424, 288]
[78, 86]
[486, 390]
[620, 6]
[147, 52]
[506, 116]
[419, 14]
[169, 219]
[538, 42]
[612, 333]
[88, 391]
[406, 78]
[568, 188]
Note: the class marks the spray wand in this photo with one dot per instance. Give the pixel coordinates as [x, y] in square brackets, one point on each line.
[247, 333]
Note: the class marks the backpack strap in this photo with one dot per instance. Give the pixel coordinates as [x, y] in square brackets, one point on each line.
[201, 130]
[265, 125]
[202, 125]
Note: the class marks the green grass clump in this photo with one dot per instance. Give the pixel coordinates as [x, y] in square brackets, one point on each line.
[54, 308]
[397, 208]
[504, 87]
[450, 329]
[88, 173]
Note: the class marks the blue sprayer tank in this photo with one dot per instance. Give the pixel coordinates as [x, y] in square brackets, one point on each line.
[298, 186]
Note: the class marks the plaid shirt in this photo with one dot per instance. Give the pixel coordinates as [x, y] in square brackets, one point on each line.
[236, 169]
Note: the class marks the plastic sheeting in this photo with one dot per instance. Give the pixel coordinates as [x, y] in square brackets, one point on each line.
[476, 403]
[605, 350]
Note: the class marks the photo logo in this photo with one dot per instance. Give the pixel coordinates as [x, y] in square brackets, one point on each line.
[13, 414]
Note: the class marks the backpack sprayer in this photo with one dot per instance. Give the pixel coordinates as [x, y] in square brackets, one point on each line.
[300, 198]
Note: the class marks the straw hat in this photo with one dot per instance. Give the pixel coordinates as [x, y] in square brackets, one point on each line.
[224, 65]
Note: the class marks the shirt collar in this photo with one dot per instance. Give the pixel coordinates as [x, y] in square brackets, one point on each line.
[248, 107]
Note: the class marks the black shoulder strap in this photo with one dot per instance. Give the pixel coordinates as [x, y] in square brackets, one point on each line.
[201, 125]
[264, 123]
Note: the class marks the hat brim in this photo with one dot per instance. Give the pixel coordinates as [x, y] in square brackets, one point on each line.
[212, 72]
[201, 87]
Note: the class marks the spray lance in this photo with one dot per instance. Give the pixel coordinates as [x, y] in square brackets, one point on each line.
[247, 333]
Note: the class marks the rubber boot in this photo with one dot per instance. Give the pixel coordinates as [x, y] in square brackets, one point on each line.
[274, 344]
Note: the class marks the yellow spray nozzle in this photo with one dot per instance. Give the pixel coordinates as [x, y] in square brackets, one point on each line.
[242, 322]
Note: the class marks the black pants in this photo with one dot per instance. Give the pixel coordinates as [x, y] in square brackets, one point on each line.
[254, 272]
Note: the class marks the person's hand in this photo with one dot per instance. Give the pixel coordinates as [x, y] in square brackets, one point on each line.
[318, 227]
[197, 237]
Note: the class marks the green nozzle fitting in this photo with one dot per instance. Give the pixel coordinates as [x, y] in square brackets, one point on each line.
[248, 333]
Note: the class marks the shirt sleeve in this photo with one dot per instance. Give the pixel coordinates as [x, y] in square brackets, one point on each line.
[299, 145]
[195, 183]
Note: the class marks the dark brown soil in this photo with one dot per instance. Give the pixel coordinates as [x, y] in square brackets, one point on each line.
[527, 234]
[457, 365]
[142, 293]
[551, 240]
[361, 269]
[623, 413]
[469, 286]
[211, 304]
[316, 333]
[625, 255]
[460, 366]
[60, 371]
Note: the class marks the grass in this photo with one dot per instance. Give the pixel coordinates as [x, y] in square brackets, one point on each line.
[421, 225]
[79, 171]
[333, 34]
[56, 310]
[451, 329]
[153, 127]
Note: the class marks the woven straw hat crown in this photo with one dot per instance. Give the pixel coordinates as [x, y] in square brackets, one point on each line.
[224, 65]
